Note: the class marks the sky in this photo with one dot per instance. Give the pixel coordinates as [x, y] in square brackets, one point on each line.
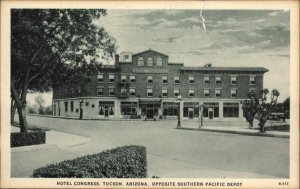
[245, 38]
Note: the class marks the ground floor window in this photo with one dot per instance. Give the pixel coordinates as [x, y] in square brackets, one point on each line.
[129, 108]
[191, 109]
[231, 109]
[106, 108]
[211, 110]
[170, 109]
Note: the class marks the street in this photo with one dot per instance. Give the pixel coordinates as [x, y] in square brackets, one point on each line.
[170, 152]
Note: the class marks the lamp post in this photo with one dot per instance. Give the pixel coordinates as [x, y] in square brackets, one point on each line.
[201, 115]
[80, 109]
[178, 100]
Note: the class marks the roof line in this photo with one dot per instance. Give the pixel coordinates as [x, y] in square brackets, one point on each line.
[148, 51]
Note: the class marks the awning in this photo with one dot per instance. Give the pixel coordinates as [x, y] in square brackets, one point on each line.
[150, 101]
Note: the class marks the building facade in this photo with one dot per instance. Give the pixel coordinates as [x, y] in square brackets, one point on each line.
[145, 86]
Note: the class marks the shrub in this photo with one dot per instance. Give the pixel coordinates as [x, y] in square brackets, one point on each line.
[29, 138]
[121, 162]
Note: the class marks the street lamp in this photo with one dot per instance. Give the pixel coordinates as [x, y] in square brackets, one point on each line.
[80, 109]
[178, 100]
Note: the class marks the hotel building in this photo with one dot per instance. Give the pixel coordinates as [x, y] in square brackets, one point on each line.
[145, 86]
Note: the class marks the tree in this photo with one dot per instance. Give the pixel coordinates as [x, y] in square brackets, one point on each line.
[47, 45]
[40, 101]
[258, 108]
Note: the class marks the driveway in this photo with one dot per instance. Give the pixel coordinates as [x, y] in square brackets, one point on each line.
[170, 152]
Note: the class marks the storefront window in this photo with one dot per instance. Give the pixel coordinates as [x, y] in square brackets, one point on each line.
[231, 110]
[211, 108]
[170, 109]
[191, 109]
[129, 108]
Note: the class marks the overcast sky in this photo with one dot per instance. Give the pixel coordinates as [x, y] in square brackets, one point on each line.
[232, 38]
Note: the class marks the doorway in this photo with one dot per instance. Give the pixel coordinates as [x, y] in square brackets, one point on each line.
[106, 111]
[191, 113]
[210, 113]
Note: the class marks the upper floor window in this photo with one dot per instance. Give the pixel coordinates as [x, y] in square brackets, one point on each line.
[149, 61]
[111, 78]
[252, 80]
[111, 91]
[123, 78]
[191, 92]
[100, 78]
[218, 92]
[164, 92]
[176, 80]
[132, 78]
[164, 79]
[123, 91]
[233, 93]
[233, 80]
[99, 91]
[191, 79]
[206, 79]
[176, 92]
[150, 78]
[218, 80]
[72, 90]
[150, 92]
[206, 93]
[141, 61]
[159, 61]
[132, 91]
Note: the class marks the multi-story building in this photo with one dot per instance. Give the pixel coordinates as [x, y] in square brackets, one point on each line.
[146, 84]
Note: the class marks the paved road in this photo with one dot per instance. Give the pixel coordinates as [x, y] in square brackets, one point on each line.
[170, 152]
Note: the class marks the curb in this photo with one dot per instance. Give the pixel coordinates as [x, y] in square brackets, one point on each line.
[32, 147]
[238, 132]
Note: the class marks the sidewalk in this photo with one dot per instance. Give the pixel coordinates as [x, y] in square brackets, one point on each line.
[54, 139]
[237, 130]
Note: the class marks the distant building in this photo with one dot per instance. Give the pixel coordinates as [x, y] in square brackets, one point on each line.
[146, 84]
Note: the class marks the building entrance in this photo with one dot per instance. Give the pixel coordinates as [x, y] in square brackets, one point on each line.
[150, 110]
[191, 113]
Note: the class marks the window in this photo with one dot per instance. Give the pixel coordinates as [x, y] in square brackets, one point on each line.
[191, 79]
[252, 80]
[111, 91]
[206, 79]
[218, 92]
[99, 91]
[233, 93]
[165, 79]
[170, 109]
[149, 61]
[211, 107]
[66, 106]
[164, 92]
[191, 92]
[123, 78]
[132, 78]
[231, 109]
[233, 80]
[206, 93]
[72, 90]
[132, 91]
[141, 61]
[72, 106]
[100, 78]
[176, 80]
[111, 78]
[87, 103]
[176, 92]
[123, 91]
[79, 90]
[218, 80]
[150, 92]
[150, 78]
[159, 62]
[126, 57]
[129, 108]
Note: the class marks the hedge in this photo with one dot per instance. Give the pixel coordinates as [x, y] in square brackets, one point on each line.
[121, 162]
[26, 139]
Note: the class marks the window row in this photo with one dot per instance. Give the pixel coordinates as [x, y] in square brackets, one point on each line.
[150, 61]
[176, 79]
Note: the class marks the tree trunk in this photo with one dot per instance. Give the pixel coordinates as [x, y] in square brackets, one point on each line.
[13, 108]
[22, 119]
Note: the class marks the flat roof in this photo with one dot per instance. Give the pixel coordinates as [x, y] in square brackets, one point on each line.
[247, 69]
